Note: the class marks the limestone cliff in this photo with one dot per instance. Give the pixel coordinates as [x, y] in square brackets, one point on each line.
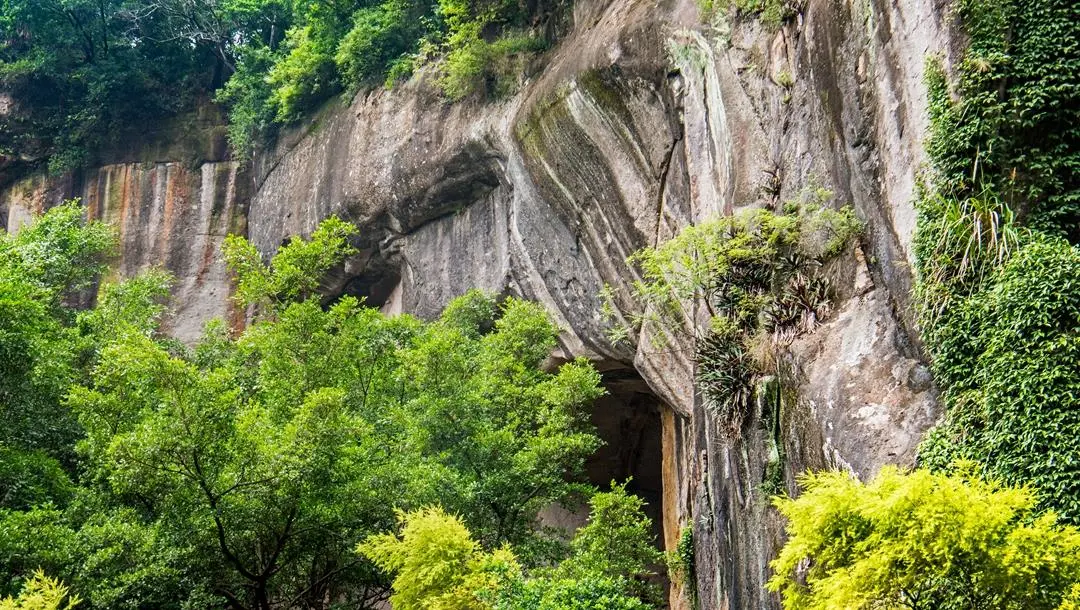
[643, 120]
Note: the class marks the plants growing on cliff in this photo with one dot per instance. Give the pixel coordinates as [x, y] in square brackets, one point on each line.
[760, 277]
[473, 46]
[922, 541]
[773, 13]
[83, 74]
[996, 267]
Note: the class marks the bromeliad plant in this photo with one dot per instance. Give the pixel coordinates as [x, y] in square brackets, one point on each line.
[760, 276]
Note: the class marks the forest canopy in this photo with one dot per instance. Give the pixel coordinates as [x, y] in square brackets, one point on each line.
[76, 73]
[244, 471]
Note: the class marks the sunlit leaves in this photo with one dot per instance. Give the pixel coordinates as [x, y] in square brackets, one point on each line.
[921, 541]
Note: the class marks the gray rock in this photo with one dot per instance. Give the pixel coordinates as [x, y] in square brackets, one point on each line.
[642, 121]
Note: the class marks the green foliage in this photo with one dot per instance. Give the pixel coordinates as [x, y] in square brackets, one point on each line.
[760, 274]
[247, 94]
[41, 593]
[1009, 357]
[773, 13]
[996, 301]
[1008, 123]
[81, 72]
[295, 271]
[30, 478]
[921, 540]
[376, 45]
[42, 268]
[616, 543]
[133, 305]
[438, 565]
[58, 253]
[303, 76]
[350, 45]
[245, 471]
[681, 564]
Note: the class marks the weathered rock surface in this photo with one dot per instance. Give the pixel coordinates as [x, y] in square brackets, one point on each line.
[642, 121]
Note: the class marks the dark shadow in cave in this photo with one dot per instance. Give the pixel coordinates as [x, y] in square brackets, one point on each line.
[628, 421]
[374, 288]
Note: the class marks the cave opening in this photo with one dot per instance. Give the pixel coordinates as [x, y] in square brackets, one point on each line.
[374, 286]
[628, 420]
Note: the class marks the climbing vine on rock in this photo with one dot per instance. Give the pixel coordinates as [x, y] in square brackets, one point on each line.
[999, 219]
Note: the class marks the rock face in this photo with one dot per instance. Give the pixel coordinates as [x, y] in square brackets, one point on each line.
[644, 120]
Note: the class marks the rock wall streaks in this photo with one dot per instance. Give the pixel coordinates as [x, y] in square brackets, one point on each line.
[166, 215]
[646, 118]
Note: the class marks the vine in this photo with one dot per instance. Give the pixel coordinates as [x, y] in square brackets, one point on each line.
[997, 291]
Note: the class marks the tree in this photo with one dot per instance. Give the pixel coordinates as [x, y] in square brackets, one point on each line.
[251, 466]
[43, 269]
[921, 540]
[438, 565]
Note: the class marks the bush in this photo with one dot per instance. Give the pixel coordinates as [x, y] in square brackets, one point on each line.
[304, 76]
[41, 593]
[379, 37]
[922, 541]
[437, 564]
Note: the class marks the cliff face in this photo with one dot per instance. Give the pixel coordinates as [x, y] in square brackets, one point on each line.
[642, 121]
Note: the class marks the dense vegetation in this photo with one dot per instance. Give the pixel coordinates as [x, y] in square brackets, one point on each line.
[922, 541]
[244, 472]
[996, 244]
[81, 72]
[438, 566]
[998, 301]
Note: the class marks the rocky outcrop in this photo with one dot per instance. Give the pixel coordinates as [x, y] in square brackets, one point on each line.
[645, 119]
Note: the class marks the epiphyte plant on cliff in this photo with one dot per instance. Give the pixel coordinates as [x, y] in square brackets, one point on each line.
[998, 297]
[761, 277]
[242, 472]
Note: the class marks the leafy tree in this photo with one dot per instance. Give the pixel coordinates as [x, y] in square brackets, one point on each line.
[921, 540]
[43, 268]
[295, 271]
[616, 544]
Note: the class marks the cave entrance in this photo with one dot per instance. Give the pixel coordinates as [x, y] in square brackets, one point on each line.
[375, 286]
[628, 420]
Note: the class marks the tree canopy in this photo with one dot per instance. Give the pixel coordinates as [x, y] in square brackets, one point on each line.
[78, 73]
[243, 471]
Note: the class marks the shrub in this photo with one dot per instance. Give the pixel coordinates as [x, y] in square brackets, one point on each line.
[41, 593]
[379, 36]
[922, 541]
[1009, 356]
[304, 76]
